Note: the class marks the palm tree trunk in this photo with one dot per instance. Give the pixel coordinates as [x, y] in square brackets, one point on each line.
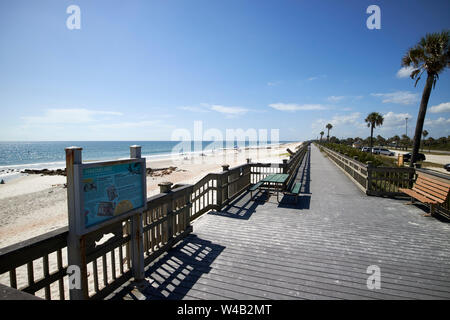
[421, 117]
[371, 138]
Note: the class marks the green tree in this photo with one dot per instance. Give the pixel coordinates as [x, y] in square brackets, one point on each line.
[373, 120]
[329, 127]
[381, 141]
[321, 135]
[405, 141]
[397, 139]
[432, 55]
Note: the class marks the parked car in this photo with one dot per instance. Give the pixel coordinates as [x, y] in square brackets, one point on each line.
[382, 151]
[407, 156]
[365, 149]
[447, 167]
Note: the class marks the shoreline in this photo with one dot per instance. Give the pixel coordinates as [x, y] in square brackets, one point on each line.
[33, 204]
[14, 171]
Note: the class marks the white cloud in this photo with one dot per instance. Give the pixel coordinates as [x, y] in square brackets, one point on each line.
[335, 98]
[205, 107]
[437, 122]
[405, 72]
[193, 109]
[128, 125]
[273, 83]
[443, 107]
[230, 111]
[297, 107]
[345, 119]
[337, 121]
[68, 116]
[398, 97]
[395, 120]
[317, 77]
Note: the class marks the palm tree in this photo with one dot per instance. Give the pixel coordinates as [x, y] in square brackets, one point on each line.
[321, 135]
[424, 134]
[381, 141]
[329, 127]
[373, 120]
[406, 141]
[432, 55]
[396, 138]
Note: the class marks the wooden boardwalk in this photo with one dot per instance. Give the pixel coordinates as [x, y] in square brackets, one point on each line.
[318, 249]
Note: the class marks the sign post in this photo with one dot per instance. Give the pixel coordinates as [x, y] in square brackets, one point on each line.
[76, 246]
[137, 244]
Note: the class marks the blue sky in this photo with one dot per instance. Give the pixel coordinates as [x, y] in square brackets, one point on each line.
[138, 70]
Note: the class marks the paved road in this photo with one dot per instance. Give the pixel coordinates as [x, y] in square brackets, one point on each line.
[318, 249]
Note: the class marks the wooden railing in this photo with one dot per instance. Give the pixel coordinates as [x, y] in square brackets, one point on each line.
[385, 181]
[39, 265]
[28, 264]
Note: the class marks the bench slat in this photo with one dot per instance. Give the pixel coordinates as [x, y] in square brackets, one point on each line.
[296, 187]
[417, 196]
[435, 181]
[437, 193]
[433, 185]
[255, 186]
[427, 194]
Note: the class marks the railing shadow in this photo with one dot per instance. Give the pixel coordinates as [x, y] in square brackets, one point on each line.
[242, 207]
[174, 274]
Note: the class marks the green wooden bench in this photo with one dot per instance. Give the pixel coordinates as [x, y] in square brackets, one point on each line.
[254, 188]
[294, 190]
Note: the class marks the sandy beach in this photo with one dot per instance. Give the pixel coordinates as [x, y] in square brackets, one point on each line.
[33, 204]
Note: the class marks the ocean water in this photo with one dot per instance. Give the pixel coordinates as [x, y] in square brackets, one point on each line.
[51, 154]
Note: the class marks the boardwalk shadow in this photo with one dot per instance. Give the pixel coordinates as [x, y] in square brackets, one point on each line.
[173, 275]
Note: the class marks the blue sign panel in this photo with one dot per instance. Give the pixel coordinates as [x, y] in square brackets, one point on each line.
[111, 190]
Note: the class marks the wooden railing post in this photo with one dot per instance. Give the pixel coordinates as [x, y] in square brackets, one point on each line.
[76, 244]
[219, 193]
[137, 247]
[188, 205]
[225, 175]
[165, 187]
[369, 176]
[285, 167]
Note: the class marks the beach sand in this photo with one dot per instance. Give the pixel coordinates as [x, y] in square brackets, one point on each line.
[33, 204]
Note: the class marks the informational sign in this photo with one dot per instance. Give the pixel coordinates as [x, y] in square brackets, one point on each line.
[102, 195]
[111, 190]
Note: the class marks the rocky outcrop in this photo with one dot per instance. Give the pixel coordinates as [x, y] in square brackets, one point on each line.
[46, 172]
